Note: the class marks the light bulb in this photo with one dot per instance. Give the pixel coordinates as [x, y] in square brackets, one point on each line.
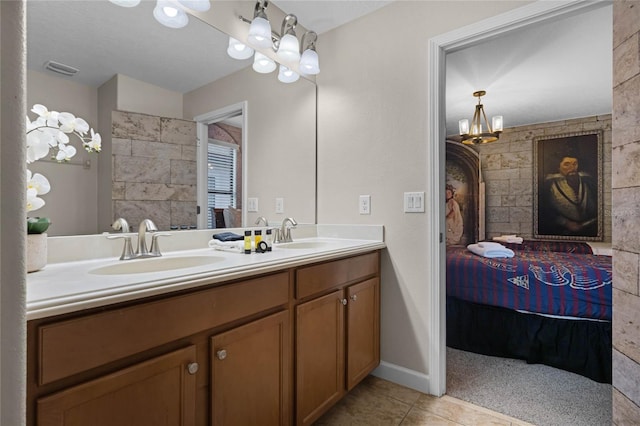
[259, 33]
[463, 126]
[170, 11]
[289, 48]
[238, 50]
[170, 16]
[263, 64]
[286, 75]
[309, 62]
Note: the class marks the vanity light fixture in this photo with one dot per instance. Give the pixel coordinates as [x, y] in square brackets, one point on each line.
[285, 75]
[170, 13]
[260, 28]
[475, 135]
[238, 50]
[286, 45]
[309, 63]
[263, 64]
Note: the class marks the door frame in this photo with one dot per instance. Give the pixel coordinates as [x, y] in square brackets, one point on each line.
[202, 123]
[438, 47]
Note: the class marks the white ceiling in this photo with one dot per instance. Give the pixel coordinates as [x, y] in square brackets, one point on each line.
[548, 72]
[102, 39]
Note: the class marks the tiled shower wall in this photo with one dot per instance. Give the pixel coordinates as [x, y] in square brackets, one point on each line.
[507, 169]
[626, 212]
[154, 169]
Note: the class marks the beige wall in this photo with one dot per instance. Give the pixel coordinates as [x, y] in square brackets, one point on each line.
[138, 96]
[12, 213]
[626, 212]
[372, 106]
[281, 138]
[72, 203]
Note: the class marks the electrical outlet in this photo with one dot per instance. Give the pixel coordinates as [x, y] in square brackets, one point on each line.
[252, 205]
[414, 202]
[365, 204]
[279, 205]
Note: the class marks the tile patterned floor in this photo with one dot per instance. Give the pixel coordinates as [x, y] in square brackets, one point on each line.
[379, 402]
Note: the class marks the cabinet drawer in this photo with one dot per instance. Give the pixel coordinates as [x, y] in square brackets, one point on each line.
[317, 278]
[72, 346]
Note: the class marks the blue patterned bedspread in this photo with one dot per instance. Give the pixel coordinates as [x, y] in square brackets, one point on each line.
[547, 282]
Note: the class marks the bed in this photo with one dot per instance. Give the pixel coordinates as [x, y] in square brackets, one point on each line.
[549, 304]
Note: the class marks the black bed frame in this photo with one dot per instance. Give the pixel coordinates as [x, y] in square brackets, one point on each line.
[580, 346]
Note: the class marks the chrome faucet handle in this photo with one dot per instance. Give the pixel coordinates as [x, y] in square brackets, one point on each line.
[277, 239]
[120, 224]
[127, 249]
[263, 219]
[145, 225]
[155, 247]
[285, 230]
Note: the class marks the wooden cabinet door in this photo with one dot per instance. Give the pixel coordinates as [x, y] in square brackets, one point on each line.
[319, 356]
[250, 373]
[363, 330]
[160, 391]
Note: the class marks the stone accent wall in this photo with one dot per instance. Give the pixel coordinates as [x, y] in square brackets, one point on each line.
[507, 169]
[154, 169]
[626, 212]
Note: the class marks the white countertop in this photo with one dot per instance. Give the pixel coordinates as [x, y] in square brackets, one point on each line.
[70, 286]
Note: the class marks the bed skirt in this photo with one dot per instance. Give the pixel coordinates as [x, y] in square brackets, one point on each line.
[580, 346]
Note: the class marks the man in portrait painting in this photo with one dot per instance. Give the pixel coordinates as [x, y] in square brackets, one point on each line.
[569, 203]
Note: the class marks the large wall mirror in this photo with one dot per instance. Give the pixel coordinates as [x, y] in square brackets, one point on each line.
[137, 82]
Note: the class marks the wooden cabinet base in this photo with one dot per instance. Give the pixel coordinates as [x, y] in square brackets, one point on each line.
[160, 391]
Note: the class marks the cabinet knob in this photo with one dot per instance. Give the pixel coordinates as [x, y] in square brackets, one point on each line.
[354, 297]
[221, 354]
[344, 302]
[192, 368]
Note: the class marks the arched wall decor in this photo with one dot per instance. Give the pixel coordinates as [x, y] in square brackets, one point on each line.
[462, 171]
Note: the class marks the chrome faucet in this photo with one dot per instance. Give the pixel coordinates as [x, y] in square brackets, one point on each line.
[121, 225]
[284, 236]
[145, 225]
[262, 219]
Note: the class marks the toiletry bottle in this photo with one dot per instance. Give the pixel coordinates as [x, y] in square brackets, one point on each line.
[247, 242]
[258, 237]
[269, 239]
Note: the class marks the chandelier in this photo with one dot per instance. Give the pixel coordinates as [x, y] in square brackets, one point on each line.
[474, 134]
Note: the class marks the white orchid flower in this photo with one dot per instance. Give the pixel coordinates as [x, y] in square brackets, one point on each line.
[38, 145]
[65, 152]
[33, 202]
[49, 117]
[95, 144]
[38, 182]
[70, 123]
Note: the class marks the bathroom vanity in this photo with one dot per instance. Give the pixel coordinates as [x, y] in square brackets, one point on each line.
[246, 340]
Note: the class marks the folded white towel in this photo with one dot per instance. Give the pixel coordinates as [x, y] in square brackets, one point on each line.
[234, 246]
[509, 239]
[492, 252]
[490, 245]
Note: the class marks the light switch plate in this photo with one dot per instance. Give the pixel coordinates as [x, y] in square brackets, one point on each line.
[365, 204]
[252, 205]
[414, 202]
[279, 205]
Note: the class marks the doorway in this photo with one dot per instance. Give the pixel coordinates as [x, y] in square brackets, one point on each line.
[438, 48]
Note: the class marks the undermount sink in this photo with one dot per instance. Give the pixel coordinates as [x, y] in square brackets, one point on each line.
[155, 264]
[303, 245]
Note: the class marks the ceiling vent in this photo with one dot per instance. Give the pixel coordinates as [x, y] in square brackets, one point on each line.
[59, 68]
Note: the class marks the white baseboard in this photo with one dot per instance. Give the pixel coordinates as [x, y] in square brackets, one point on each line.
[402, 376]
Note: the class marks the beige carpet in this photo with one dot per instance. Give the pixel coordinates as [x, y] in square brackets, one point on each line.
[534, 393]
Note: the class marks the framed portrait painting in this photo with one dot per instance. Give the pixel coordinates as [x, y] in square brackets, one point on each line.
[567, 199]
